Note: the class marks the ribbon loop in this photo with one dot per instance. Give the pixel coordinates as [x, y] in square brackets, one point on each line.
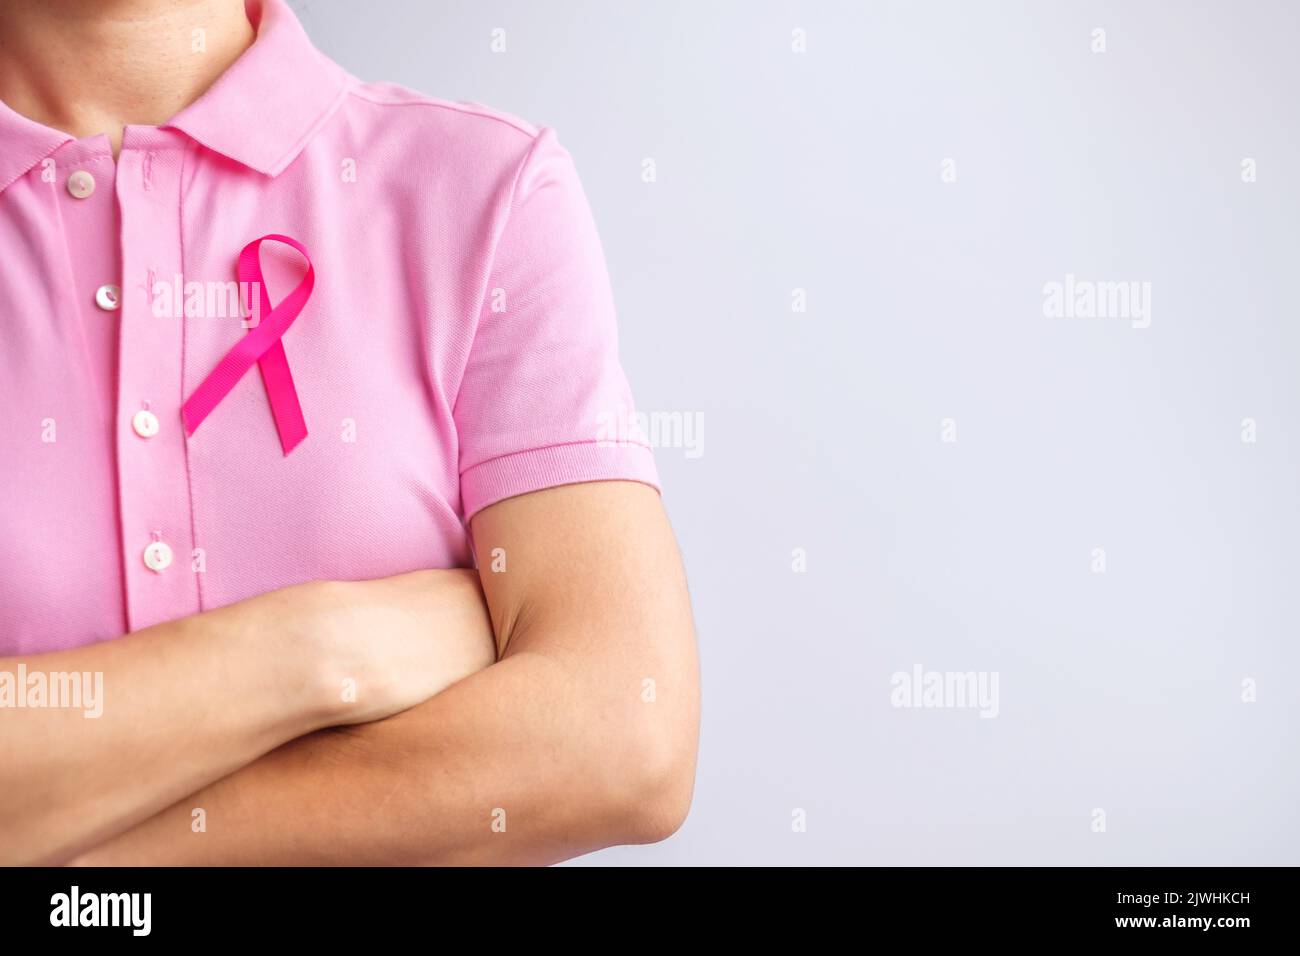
[261, 345]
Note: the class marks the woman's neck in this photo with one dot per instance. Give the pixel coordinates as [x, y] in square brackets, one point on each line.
[95, 66]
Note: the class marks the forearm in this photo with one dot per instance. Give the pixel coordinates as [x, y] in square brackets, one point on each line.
[190, 702]
[171, 708]
[517, 764]
[582, 736]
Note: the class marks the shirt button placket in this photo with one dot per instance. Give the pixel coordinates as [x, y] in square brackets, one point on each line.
[153, 483]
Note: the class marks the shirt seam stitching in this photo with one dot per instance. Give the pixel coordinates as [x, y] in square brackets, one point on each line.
[465, 109]
[189, 472]
[477, 314]
[555, 445]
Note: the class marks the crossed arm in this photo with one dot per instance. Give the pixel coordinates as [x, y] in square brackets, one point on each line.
[582, 735]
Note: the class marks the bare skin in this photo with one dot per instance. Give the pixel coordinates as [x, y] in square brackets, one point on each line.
[95, 66]
[583, 735]
[190, 701]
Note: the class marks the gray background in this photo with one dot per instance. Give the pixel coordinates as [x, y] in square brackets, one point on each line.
[821, 171]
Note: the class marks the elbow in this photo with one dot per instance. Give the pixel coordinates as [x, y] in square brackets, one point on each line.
[654, 796]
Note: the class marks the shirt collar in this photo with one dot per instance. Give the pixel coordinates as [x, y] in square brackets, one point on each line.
[23, 144]
[261, 112]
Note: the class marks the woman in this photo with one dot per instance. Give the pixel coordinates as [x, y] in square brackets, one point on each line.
[267, 571]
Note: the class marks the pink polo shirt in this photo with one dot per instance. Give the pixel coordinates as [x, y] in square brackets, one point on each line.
[458, 347]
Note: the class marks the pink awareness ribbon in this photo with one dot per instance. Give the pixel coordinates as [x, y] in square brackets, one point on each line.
[261, 345]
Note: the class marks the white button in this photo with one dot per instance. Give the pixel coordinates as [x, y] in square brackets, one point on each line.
[81, 184]
[108, 297]
[158, 556]
[145, 424]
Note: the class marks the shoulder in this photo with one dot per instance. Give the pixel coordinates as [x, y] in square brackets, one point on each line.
[401, 118]
[473, 153]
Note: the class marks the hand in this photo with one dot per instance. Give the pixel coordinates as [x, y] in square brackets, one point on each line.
[389, 644]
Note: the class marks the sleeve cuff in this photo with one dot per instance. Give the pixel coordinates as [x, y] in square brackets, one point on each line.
[521, 472]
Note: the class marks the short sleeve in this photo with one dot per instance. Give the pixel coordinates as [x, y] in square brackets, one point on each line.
[544, 400]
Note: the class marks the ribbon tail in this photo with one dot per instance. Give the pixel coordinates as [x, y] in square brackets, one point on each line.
[283, 396]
